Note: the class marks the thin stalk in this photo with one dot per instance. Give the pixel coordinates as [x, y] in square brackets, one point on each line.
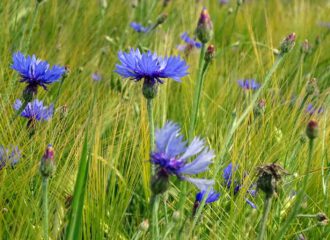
[197, 94]
[151, 130]
[193, 117]
[155, 198]
[45, 206]
[155, 205]
[300, 195]
[263, 225]
[35, 14]
[233, 25]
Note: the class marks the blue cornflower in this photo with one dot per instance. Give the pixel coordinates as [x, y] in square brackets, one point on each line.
[12, 158]
[227, 175]
[204, 187]
[96, 77]
[36, 72]
[311, 109]
[35, 110]
[139, 28]
[190, 43]
[223, 2]
[150, 67]
[172, 153]
[248, 84]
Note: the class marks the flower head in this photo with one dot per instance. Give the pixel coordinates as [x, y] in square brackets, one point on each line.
[96, 77]
[36, 72]
[47, 164]
[312, 110]
[150, 67]
[172, 153]
[190, 43]
[35, 110]
[205, 186]
[11, 158]
[248, 84]
[230, 182]
[139, 28]
[204, 30]
[270, 176]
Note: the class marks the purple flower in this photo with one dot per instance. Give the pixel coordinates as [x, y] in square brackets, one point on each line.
[172, 153]
[212, 196]
[12, 158]
[312, 110]
[325, 24]
[36, 72]
[139, 28]
[150, 67]
[190, 43]
[96, 77]
[229, 182]
[248, 84]
[223, 2]
[35, 110]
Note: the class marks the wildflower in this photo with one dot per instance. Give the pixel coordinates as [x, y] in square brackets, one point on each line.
[210, 198]
[210, 53]
[47, 164]
[248, 84]
[204, 30]
[312, 129]
[312, 87]
[190, 43]
[306, 47]
[312, 110]
[3, 157]
[325, 24]
[223, 2]
[288, 43]
[227, 176]
[260, 107]
[144, 225]
[35, 111]
[35, 72]
[12, 158]
[322, 218]
[139, 28]
[269, 177]
[96, 77]
[171, 157]
[151, 68]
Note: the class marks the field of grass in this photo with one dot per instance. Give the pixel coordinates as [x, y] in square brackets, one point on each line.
[100, 132]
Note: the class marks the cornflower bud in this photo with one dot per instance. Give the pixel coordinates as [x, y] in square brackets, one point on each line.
[204, 30]
[47, 164]
[210, 53]
[288, 43]
[312, 130]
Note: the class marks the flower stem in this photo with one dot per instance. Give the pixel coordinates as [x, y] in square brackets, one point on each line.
[300, 195]
[45, 206]
[151, 130]
[154, 198]
[197, 94]
[267, 207]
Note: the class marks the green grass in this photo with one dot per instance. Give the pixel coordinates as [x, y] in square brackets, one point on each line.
[86, 37]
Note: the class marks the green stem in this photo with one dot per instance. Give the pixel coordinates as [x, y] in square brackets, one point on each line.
[151, 129]
[45, 206]
[35, 14]
[155, 198]
[233, 25]
[197, 94]
[155, 205]
[300, 195]
[267, 207]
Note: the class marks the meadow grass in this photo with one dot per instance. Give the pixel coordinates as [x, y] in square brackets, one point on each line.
[86, 36]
